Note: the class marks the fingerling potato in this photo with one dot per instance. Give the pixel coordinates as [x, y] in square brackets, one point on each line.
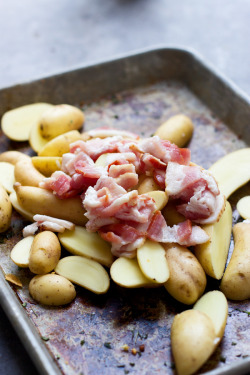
[177, 129]
[60, 145]
[5, 210]
[26, 174]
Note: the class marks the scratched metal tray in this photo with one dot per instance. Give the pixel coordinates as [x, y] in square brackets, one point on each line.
[136, 92]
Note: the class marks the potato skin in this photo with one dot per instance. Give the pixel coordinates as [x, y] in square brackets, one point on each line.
[52, 290]
[235, 283]
[45, 253]
[187, 279]
[26, 174]
[177, 129]
[5, 210]
[12, 156]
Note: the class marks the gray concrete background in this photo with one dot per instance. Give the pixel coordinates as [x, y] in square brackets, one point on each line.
[43, 37]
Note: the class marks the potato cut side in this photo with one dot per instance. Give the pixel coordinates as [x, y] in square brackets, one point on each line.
[36, 141]
[171, 215]
[17, 123]
[243, 207]
[160, 198]
[24, 213]
[193, 340]
[7, 177]
[21, 252]
[60, 145]
[146, 184]
[91, 245]
[101, 161]
[152, 261]
[215, 305]
[213, 254]
[238, 162]
[127, 273]
[47, 164]
[84, 272]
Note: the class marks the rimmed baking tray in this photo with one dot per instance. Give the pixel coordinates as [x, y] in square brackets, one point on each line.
[136, 92]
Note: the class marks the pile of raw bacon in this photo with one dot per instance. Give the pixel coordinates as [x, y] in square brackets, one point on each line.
[109, 189]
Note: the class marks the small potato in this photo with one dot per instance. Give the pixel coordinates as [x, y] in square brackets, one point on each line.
[187, 279]
[60, 145]
[21, 252]
[47, 164]
[24, 213]
[12, 157]
[147, 184]
[26, 174]
[171, 215]
[41, 201]
[193, 341]
[7, 177]
[160, 198]
[5, 210]
[36, 141]
[178, 129]
[235, 283]
[17, 123]
[243, 207]
[45, 253]
[60, 119]
[52, 290]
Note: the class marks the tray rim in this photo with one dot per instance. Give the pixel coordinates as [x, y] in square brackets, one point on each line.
[20, 321]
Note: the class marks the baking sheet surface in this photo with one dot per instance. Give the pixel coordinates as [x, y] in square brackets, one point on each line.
[87, 336]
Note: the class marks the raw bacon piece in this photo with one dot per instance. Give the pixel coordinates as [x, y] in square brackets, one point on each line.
[124, 175]
[104, 132]
[59, 182]
[184, 233]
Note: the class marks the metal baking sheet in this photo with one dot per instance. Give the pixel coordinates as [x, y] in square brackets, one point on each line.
[136, 92]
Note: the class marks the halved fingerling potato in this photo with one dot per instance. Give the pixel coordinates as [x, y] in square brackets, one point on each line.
[60, 145]
[152, 261]
[215, 305]
[91, 245]
[243, 207]
[60, 119]
[12, 157]
[177, 129]
[160, 198]
[127, 273]
[212, 255]
[17, 123]
[84, 272]
[146, 184]
[26, 174]
[21, 252]
[24, 213]
[36, 141]
[7, 177]
[238, 162]
[5, 210]
[47, 164]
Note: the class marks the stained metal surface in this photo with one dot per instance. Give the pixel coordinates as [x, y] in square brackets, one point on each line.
[134, 93]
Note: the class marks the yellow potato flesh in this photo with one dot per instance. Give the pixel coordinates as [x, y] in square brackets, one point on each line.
[7, 177]
[192, 340]
[212, 255]
[178, 129]
[47, 164]
[215, 305]
[101, 161]
[235, 283]
[160, 198]
[17, 123]
[26, 214]
[147, 184]
[60, 145]
[21, 252]
[91, 245]
[84, 272]
[36, 141]
[232, 171]
[127, 273]
[152, 261]
[171, 215]
[243, 207]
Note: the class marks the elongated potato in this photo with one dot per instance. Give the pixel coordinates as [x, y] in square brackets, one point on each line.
[60, 145]
[187, 279]
[24, 213]
[160, 198]
[12, 157]
[212, 255]
[21, 252]
[237, 161]
[45, 253]
[127, 273]
[152, 261]
[52, 290]
[215, 305]
[60, 119]
[147, 184]
[193, 340]
[26, 174]
[178, 129]
[41, 201]
[47, 165]
[84, 272]
[243, 207]
[5, 210]
[17, 123]
[91, 245]
[235, 283]
[36, 141]
[7, 177]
